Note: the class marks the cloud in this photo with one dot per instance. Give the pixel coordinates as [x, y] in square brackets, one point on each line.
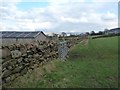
[105, 0]
[109, 16]
[74, 20]
[61, 15]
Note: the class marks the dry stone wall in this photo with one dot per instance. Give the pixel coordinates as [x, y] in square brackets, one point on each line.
[18, 59]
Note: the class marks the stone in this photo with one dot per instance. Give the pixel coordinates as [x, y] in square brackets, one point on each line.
[6, 73]
[31, 67]
[12, 77]
[10, 67]
[37, 56]
[0, 82]
[27, 64]
[10, 47]
[5, 64]
[26, 60]
[8, 79]
[24, 55]
[19, 60]
[30, 70]
[23, 50]
[17, 69]
[40, 47]
[16, 53]
[8, 58]
[12, 62]
[34, 50]
[16, 65]
[30, 56]
[28, 51]
[5, 53]
[3, 69]
[24, 71]
[35, 65]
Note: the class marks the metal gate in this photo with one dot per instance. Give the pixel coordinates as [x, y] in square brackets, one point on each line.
[62, 49]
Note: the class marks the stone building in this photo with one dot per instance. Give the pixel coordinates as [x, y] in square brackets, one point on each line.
[8, 37]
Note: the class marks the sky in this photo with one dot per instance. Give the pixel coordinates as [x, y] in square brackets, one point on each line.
[58, 15]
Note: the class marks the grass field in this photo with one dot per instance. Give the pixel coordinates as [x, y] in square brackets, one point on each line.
[91, 64]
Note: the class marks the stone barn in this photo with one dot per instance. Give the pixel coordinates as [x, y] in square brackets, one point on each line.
[9, 38]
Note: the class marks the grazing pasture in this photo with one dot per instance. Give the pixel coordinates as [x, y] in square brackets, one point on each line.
[92, 63]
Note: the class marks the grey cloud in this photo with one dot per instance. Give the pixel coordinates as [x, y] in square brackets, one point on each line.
[106, 18]
[53, 14]
[78, 27]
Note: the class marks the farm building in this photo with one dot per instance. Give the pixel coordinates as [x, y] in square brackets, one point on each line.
[112, 31]
[22, 37]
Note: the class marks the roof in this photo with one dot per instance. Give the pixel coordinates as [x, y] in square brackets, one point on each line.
[117, 29]
[114, 30]
[15, 34]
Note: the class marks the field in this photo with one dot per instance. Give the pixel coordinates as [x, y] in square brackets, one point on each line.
[91, 64]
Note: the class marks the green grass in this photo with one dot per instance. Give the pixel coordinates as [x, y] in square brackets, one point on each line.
[92, 65]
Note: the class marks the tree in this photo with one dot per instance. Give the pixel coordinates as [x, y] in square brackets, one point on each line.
[63, 34]
[87, 33]
[92, 33]
[100, 32]
[105, 29]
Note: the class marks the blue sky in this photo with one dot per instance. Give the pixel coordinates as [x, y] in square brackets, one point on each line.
[29, 5]
[59, 15]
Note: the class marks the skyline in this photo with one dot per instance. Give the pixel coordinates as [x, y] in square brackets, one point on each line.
[58, 15]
